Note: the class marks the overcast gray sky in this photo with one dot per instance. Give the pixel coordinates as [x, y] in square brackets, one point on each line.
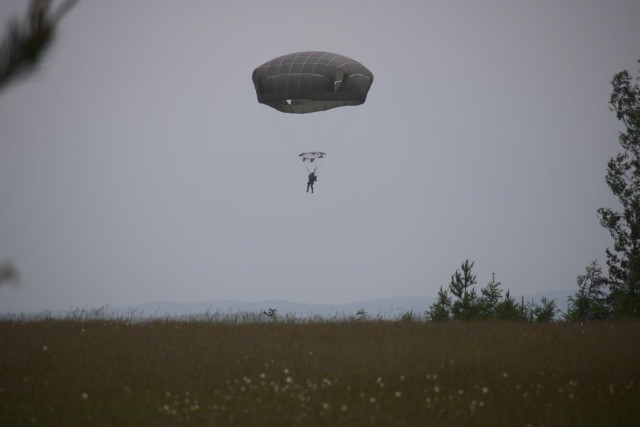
[137, 165]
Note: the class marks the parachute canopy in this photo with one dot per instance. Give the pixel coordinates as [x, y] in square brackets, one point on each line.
[306, 82]
[311, 156]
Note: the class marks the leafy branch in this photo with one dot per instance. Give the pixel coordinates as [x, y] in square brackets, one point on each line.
[26, 41]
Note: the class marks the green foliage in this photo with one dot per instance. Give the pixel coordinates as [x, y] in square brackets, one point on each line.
[545, 311]
[490, 297]
[590, 302]
[409, 316]
[361, 315]
[508, 309]
[9, 273]
[441, 309]
[623, 178]
[25, 43]
[271, 313]
[461, 301]
[465, 305]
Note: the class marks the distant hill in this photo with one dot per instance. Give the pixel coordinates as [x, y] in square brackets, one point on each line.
[383, 307]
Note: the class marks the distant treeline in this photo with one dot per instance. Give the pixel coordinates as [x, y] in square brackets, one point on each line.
[461, 301]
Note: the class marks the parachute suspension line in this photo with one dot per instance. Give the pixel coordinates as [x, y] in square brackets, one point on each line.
[343, 121]
[316, 131]
[309, 132]
[297, 132]
[280, 125]
[310, 170]
[311, 163]
[319, 131]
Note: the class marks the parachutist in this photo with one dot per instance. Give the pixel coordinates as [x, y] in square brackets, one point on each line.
[312, 179]
[310, 82]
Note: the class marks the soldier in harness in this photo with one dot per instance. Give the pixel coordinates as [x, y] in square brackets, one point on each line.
[312, 179]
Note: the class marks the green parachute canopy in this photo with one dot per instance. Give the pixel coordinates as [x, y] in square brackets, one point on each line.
[306, 82]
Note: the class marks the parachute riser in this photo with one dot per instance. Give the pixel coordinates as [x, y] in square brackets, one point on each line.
[311, 160]
[311, 169]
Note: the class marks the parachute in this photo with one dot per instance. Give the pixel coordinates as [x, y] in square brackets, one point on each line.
[311, 82]
[312, 156]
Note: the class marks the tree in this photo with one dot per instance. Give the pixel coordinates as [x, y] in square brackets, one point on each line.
[441, 309]
[490, 298]
[545, 311]
[465, 306]
[9, 274]
[21, 51]
[590, 302]
[25, 43]
[461, 302]
[508, 309]
[623, 178]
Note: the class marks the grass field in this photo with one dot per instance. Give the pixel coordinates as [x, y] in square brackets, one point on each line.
[321, 373]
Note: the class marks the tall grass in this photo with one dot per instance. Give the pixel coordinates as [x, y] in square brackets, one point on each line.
[318, 373]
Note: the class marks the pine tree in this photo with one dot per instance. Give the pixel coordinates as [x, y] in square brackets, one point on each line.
[441, 309]
[590, 302]
[623, 178]
[508, 309]
[465, 306]
[490, 298]
[545, 311]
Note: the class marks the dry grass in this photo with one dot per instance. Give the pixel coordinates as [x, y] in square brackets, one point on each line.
[99, 372]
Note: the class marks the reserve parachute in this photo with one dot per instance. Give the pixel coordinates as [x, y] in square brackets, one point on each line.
[304, 84]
